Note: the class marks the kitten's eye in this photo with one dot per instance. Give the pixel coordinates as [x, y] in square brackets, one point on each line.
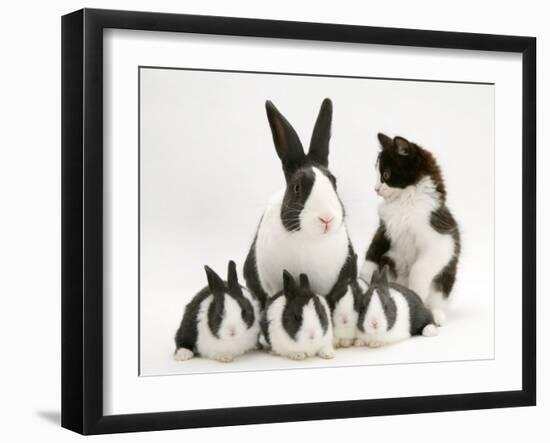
[297, 188]
[387, 174]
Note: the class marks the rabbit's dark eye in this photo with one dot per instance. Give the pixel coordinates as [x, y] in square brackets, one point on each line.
[332, 178]
[297, 188]
[386, 175]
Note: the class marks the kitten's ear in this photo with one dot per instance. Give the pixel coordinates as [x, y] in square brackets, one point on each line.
[289, 285]
[383, 281]
[402, 146]
[385, 141]
[287, 144]
[215, 283]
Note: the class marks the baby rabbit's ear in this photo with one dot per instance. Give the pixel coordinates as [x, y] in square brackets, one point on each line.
[287, 144]
[232, 278]
[215, 283]
[353, 267]
[384, 276]
[375, 277]
[289, 285]
[304, 282]
[319, 145]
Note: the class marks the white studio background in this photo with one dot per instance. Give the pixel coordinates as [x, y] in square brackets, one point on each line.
[30, 226]
[208, 168]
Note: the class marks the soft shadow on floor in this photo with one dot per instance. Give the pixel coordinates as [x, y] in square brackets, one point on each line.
[54, 417]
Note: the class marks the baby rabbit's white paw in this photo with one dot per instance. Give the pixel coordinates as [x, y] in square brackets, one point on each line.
[183, 354]
[374, 344]
[327, 353]
[345, 342]
[224, 358]
[297, 355]
[359, 342]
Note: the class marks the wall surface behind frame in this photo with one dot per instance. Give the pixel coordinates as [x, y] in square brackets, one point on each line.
[30, 222]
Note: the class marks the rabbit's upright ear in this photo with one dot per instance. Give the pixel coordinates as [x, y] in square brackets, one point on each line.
[232, 278]
[319, 145]
[353, 267]
[304, 282]
[289, 285]
[215, 283]
[383, 281]
[375, 278]
[287, 144]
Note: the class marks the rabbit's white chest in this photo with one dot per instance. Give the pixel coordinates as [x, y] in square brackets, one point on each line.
[321, 256]
[344, 317]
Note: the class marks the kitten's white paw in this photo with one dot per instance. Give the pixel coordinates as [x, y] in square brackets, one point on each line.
[327, 353]
[183, 354]
[440, 318]
[224, 358]
[359, 342]
[430, 331]
[374, 344]
[297, 355]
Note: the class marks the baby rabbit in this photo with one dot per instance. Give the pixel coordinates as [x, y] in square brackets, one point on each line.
[296, 321]
[390, 313]
[344, 300]
[221, 322]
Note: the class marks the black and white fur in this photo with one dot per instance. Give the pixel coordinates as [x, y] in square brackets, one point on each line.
[418, 237]
[344, 301]
[221, 322]
[390, 313]
[296, 322]
[302, 230]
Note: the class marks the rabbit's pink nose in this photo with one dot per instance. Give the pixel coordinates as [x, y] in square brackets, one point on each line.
[232, 332]
[311, 335]
[344, 320]
[374, 324]
[326, 222]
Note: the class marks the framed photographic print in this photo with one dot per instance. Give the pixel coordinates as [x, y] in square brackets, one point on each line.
[269, 221]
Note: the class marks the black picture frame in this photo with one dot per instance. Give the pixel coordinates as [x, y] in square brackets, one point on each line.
[82, 220]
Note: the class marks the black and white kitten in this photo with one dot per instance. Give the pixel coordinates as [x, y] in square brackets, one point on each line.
[418, 238]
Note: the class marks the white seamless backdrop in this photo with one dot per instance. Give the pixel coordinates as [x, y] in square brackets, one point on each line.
[208, 168]
[125, 51]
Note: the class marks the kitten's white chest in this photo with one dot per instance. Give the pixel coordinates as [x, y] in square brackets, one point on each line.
[407, 222]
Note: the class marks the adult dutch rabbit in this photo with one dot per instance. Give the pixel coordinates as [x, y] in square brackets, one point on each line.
[303, 228]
